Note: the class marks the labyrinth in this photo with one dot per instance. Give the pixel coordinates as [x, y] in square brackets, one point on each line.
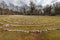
[23, 27]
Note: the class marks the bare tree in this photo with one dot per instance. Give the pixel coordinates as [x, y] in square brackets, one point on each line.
[2, 7]
[57, 7]
[32, 6]
[47, 10]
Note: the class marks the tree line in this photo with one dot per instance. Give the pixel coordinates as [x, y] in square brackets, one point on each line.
[50, 10]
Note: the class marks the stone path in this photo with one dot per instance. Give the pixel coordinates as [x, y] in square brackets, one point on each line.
[28, 31]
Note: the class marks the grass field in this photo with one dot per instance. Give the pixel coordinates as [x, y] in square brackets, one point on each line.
[50, 35]
[30, 22]
[22, 22]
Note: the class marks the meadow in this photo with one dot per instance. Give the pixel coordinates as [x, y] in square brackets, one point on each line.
[24, 22]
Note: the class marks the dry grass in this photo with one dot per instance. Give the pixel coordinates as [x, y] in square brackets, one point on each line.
[29, 22]
[19, 22]
[50, 35]
[5, 35]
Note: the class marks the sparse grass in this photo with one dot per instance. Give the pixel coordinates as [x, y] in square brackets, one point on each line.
[19, 22]
[49, 35]
[5, 35]
[52, 35]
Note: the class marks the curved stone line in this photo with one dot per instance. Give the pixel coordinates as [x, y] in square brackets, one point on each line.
[28, 31]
